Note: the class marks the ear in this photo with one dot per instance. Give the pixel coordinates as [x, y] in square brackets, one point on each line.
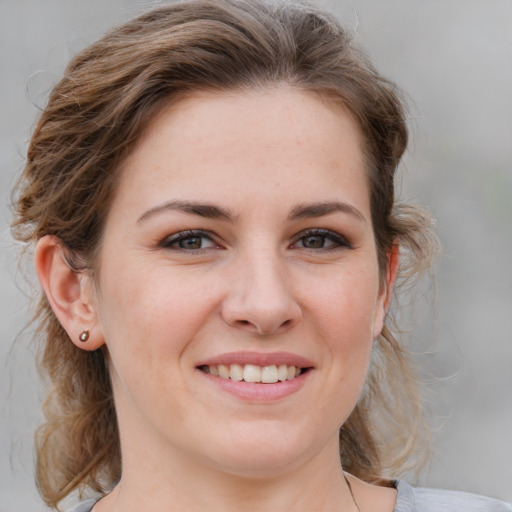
[386, 289]
[70, 293]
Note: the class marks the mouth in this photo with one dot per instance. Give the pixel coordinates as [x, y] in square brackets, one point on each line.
[253, 373]
[256, 377]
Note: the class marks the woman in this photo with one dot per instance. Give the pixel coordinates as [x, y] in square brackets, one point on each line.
[210, 190]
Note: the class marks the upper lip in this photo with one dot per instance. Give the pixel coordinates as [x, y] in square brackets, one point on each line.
[258, 359]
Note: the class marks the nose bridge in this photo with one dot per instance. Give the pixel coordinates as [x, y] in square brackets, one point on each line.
[261, 297]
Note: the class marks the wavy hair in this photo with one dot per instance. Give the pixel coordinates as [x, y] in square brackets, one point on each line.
[94, 118]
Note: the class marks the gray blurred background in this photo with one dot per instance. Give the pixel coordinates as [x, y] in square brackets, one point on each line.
[454, 59]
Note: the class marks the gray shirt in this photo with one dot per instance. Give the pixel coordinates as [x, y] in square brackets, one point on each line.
[411, 499]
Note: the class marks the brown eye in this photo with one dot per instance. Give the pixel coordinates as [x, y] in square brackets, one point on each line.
[193, 242]
[313, 241]
[321, 239]
[189, 241]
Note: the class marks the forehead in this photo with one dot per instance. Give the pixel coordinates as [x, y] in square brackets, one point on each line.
[213, 143]
[248, 113]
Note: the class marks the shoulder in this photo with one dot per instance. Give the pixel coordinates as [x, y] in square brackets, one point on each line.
[412, 499]
[83, 506]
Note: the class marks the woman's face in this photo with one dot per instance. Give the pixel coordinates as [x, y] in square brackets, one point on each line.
[239, 246]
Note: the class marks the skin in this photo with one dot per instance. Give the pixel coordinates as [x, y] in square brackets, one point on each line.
[257, 281]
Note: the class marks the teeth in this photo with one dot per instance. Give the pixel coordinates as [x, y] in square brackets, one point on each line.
[223, 371]
[236, 372]
[253, 373]
[282, 372]
[269, 374]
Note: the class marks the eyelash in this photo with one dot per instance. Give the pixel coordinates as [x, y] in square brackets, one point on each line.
[171, 242]
[338, 241]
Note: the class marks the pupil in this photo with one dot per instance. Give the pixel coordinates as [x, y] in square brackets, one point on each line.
[191, 243]
[314, 242]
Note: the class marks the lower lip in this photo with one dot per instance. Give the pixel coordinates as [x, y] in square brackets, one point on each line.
[258, 392]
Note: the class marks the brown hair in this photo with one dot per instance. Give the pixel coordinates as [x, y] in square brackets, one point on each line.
[94, 118]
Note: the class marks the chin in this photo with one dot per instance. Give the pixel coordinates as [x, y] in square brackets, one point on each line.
[267, 451]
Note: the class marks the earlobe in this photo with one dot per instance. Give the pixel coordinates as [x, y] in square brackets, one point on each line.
[69, 293]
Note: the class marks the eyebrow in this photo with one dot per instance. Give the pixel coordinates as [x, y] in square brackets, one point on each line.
[208, 211]
[302, 211]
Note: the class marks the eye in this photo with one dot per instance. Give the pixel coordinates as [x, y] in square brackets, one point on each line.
[190, 240]
[321, 239]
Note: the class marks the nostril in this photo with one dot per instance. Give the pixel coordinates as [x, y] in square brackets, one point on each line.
[262, 328]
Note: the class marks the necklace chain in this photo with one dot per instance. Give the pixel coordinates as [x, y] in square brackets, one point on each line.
[352, 494]
[348, 485]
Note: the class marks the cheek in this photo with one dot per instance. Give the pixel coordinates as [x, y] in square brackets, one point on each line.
[345, 316]
[149, 314]
[347, 305]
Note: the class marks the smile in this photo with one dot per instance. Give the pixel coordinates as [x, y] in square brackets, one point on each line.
[253, 373]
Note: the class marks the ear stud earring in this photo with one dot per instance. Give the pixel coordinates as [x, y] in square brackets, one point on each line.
[84, 336]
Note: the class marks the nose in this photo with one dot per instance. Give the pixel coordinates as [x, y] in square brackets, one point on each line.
[261, 298]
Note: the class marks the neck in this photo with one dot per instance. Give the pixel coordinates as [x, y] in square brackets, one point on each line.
[147, 484]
